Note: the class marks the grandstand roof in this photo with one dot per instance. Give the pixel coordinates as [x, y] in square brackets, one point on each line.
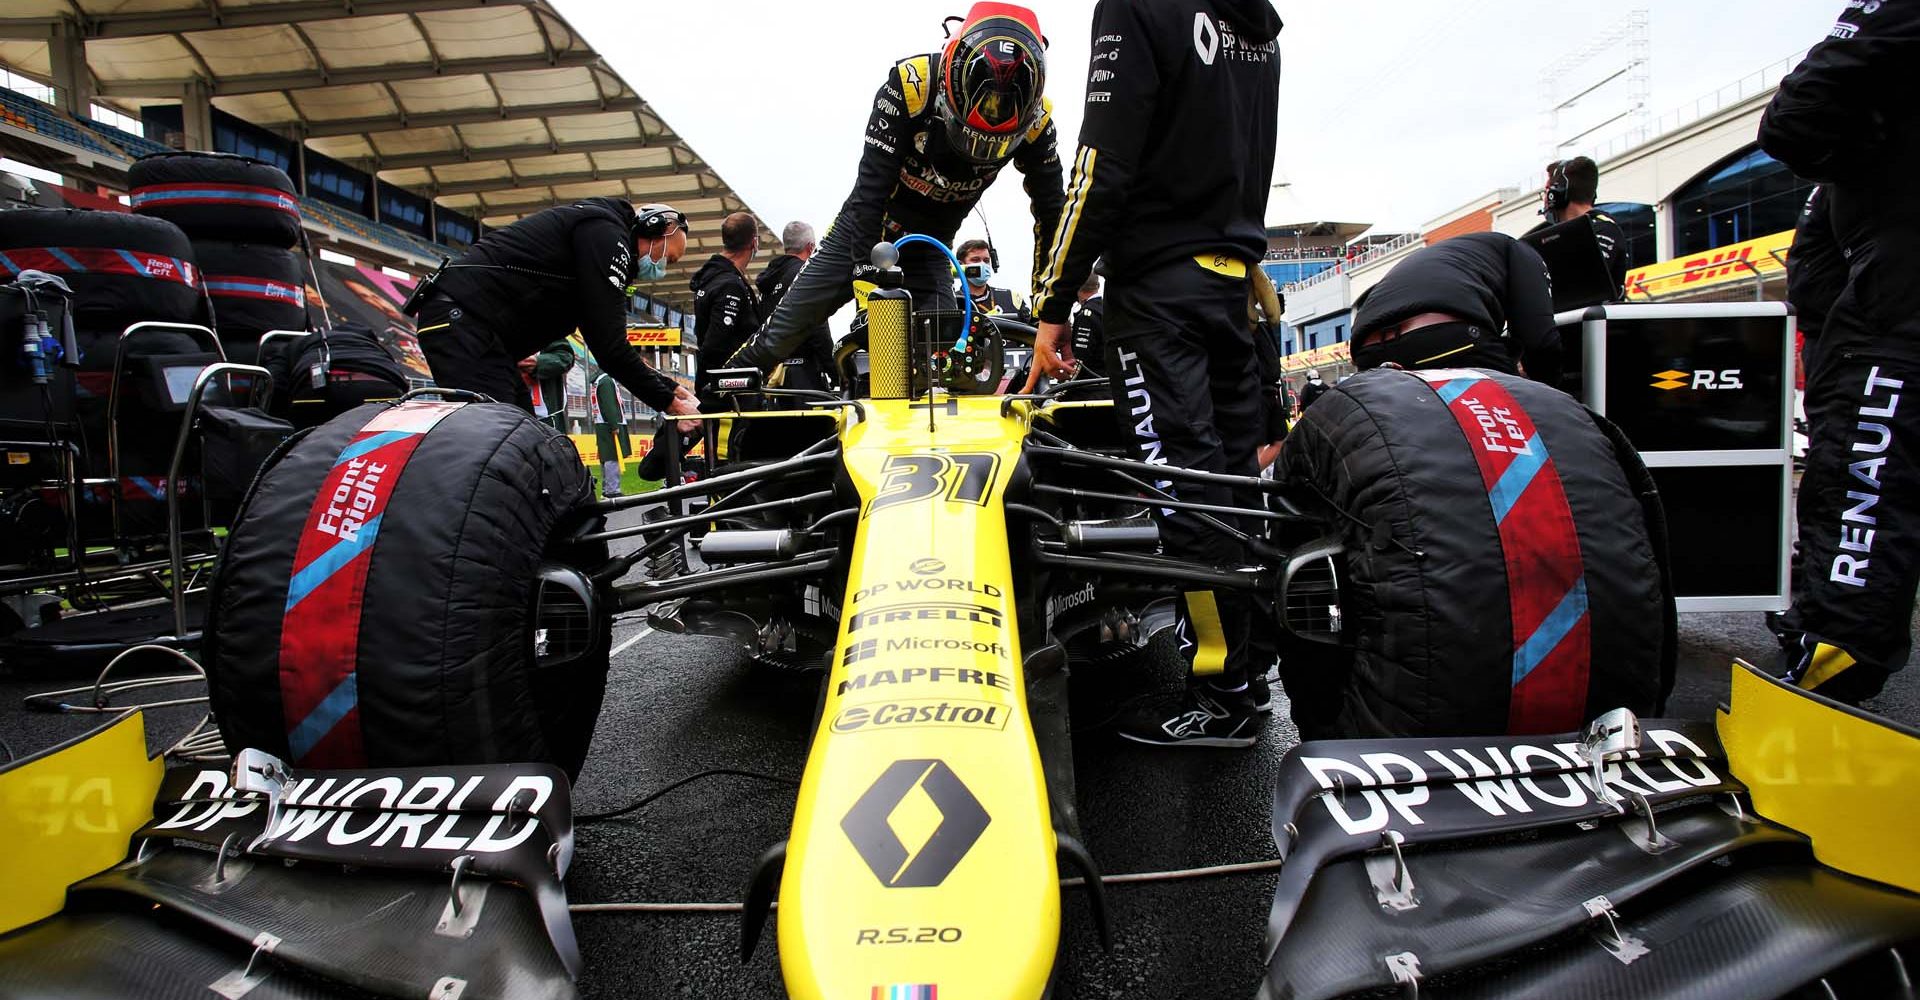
[496, 109]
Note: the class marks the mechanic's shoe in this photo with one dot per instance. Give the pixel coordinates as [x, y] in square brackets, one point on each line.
[1260, 689]
[1204, 717]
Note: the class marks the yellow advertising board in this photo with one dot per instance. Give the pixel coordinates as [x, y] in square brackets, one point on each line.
[653, 336]
[1765, 258]
[1326, 356]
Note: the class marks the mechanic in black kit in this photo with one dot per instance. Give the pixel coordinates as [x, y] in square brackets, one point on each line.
[1846, 117]
[1483, 300]
[942, 127]
[1170, 184]
[536, 281]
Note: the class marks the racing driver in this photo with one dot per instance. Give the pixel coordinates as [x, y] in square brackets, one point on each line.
[943, 125]
[1170, 184]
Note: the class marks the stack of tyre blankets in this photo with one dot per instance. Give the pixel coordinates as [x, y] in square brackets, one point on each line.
[207, 243]
[243, 219]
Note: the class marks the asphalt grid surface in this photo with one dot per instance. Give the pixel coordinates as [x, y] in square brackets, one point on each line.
[680, 704]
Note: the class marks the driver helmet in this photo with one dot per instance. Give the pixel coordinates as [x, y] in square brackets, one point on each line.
[993, 79]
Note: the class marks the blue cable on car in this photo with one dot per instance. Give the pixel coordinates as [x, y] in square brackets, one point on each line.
[966, 301]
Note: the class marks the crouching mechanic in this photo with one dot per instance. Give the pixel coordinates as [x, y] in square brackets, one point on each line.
[536, 281]
[1483, 300]
[1846, 117]
[1170, 183]
[943, 126]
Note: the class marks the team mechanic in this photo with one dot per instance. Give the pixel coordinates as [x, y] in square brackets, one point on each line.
[943, 125]
[1483, 300]
[726, 309]
[1170, 184]
[1846, 117]
[538, 280]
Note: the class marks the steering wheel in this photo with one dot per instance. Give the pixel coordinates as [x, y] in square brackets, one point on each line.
[986, 368]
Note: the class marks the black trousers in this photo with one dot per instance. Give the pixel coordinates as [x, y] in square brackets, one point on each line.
[1859, 502]
[1186, 389]
[465, 353]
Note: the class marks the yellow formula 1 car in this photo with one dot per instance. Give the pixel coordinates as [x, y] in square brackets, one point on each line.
[941, 556]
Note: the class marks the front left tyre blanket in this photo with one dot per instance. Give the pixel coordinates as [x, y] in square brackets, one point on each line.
[1504, 565]
[374, 604]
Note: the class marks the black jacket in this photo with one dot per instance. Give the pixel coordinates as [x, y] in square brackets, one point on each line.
[774, 280]
[553, 272]
[1816, 266]
[1847, 112]
[726, 311]
[1176, 143]
[1613, 245]
[1490, 279]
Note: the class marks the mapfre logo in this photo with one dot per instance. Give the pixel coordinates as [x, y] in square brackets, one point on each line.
[1673, 378]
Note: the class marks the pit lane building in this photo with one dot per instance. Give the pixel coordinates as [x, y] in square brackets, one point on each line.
[1709, 217]
[408, 127]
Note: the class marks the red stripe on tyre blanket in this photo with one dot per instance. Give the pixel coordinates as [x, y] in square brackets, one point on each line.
[1546, 580]
[99, 260]
[320, 635]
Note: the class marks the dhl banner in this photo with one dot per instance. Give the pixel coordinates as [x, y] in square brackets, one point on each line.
[653, 336]
[1326, 356]
[1693, 272]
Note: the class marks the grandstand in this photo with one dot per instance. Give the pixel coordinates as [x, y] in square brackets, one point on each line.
[408, 126]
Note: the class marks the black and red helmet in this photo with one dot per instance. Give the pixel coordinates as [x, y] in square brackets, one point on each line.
[993, 78]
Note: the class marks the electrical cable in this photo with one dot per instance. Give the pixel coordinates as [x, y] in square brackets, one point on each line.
[656, 794]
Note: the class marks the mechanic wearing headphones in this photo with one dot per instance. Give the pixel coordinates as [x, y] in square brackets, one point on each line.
[1482, 300]
[726, 310]
[942, 127]
[1846, 117]
[536, 281]
[1572, 185]
[1170, 184]
[979, 261]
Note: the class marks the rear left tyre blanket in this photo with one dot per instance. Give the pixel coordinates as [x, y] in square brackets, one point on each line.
[373, 605]
[254, 289]
[217, 196]
[1502, 573]
[122, 268]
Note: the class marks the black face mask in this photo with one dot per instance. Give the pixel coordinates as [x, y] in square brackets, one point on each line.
[1442, 345]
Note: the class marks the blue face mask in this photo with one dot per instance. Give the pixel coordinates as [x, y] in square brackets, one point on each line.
[650, 268]
[978, 274]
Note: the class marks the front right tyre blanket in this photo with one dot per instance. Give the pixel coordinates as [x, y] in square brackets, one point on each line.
[1504, 566]
[374, 605]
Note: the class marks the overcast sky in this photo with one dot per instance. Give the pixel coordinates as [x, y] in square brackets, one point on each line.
[1391, 111]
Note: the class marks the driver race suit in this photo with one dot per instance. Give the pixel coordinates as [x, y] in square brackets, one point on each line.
[1170, 185]
[1846, 117]
[532, 283]
[812, 366]
[910, 181]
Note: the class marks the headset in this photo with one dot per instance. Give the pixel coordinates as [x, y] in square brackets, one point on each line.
[1556, 197]
[654, 221]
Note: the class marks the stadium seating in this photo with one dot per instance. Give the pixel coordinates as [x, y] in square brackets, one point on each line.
[24, 112]
[41, 118]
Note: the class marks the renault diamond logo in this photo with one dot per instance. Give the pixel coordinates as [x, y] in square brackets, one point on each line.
[1671, 379]
[915, 823]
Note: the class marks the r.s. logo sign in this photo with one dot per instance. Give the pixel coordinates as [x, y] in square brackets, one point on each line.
[962, 477]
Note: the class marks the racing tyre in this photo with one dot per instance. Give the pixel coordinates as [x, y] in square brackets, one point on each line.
[384, 597]
[217, 196]
[253, 289]
[122, 268]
